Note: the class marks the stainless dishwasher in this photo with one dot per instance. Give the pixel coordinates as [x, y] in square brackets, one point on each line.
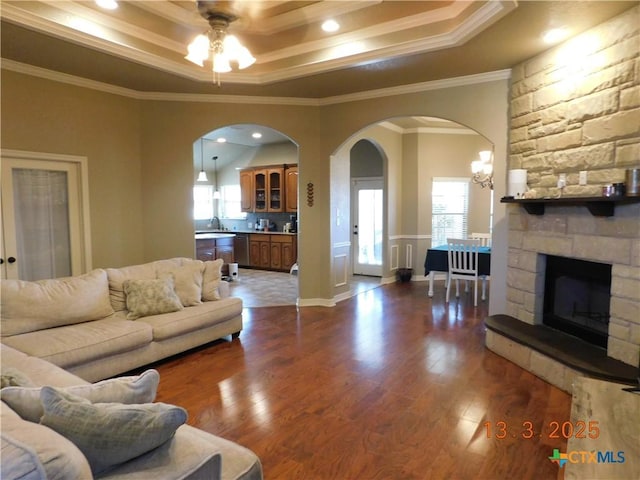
[241, 249]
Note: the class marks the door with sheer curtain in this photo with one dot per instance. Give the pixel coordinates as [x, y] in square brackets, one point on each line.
[43, 225]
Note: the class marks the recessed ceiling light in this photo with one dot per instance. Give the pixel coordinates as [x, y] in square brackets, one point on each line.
[330, 26]
[256, 135]
[107, 4]
[221, 140]
[554, 35]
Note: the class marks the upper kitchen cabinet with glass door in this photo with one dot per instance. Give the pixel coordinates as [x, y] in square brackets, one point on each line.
[269, 189]
[275, 197]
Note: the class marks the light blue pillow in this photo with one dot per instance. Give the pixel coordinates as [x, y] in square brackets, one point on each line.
[109, 434]
[25, 401]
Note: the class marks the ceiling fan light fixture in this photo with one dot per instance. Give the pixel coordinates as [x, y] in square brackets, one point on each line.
[221, 63]
[198, 50]
[222, 47]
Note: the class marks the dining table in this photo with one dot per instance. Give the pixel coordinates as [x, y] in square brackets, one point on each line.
[437, 260]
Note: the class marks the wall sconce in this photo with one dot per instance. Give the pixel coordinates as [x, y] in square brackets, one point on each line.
[482, 169]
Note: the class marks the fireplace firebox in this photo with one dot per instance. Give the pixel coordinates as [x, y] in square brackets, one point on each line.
[577, 295]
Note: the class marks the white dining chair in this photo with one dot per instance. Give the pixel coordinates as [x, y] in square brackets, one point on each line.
[463, 264]
[485, 239]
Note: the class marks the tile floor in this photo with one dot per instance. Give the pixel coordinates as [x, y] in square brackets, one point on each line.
[263, 288]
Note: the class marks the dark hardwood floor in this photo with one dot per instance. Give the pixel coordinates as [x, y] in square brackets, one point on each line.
[389, 384]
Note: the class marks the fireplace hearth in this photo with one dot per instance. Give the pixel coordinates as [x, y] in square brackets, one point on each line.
[577, 296]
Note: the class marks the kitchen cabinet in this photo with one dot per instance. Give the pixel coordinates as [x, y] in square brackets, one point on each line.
[246, 190]
[259, 250]
[269, 189]
[291, 189]
[272, 252]
[214, 248]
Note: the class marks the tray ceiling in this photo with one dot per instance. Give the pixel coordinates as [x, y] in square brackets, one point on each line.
[142, 44]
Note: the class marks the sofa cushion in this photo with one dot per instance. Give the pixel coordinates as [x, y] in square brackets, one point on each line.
[171, 325]
[31, 306]
[211, 278]
[150, 297]
[12, 377]
[32, 452]
[132, 389]
[117, 276]
[193, 457]
[109, 434]
[84, 342]
[40, 371]
[187, 280]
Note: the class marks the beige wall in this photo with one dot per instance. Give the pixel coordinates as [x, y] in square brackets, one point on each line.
[141, 168]
[45, 116]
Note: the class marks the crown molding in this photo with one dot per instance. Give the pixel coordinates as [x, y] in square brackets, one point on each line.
[31, 70]
[479, 20]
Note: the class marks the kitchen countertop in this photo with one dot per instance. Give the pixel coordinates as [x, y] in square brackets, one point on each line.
[200, 233]
[210, 235]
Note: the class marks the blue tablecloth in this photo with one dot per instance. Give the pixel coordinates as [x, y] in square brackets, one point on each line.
[437, 260]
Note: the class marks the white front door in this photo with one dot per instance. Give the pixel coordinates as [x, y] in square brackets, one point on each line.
[367, 227]
[44, 216]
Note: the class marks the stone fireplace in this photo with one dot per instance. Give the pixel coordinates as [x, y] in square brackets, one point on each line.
[574, 127]
[572, 232]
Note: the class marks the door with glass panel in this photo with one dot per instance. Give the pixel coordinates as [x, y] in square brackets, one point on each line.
[367, 227]
[44, 224]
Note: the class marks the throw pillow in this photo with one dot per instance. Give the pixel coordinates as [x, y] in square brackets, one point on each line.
[187, 281]
[211, 278]
[32, 306]
[150, 297]
[109, 434]
[133, 389]
[15, 378]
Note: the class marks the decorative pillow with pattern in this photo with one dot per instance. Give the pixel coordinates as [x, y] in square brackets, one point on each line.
[150, 297]
[131, 389]
[109, 434]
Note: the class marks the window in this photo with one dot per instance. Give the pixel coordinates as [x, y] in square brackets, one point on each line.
[202, 202]
[230, 199]
[450, 203]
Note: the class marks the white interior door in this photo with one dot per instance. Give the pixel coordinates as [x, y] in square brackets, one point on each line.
[367, 227]
[44, 216]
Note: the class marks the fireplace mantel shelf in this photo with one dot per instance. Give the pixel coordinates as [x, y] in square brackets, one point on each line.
[598, 206]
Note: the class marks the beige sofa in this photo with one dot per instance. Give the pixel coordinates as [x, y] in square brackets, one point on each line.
[70, 331]
[91, 327]
[35, 451]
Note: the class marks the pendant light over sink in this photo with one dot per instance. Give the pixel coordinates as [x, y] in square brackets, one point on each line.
[216, 193]
[202, 176]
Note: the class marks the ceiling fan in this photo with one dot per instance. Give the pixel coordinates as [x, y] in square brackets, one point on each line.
[223, 47]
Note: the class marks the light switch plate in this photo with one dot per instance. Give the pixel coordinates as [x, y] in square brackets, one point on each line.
[582, 180]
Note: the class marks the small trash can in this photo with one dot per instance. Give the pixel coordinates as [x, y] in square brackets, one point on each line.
[233, 271]
[404, 274]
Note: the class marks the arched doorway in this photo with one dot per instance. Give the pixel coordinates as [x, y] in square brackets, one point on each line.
[226, 206]
[417, 150]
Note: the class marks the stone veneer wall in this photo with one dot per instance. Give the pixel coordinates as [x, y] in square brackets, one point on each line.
[565, 118]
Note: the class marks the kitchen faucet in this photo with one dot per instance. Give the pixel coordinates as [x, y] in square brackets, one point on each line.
[214, 223]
